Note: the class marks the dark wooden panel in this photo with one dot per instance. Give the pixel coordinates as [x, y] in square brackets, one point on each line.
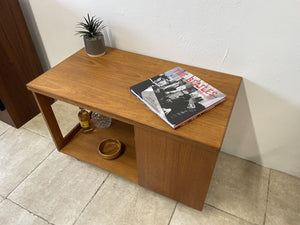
[19, 63]
[176, 169]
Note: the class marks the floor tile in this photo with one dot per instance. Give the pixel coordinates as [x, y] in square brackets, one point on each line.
[3, 127]
[208, 216]
[21, 151]
[284, 199]
[59, 189]
[122, 202]
[66, 115]
[12, 214]
[240, 188]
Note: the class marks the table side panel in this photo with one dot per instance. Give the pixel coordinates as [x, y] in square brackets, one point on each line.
[176, 169]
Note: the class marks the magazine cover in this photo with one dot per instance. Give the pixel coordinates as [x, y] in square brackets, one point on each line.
[177, 96]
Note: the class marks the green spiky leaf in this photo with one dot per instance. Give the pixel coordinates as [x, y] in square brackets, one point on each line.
[91, 27]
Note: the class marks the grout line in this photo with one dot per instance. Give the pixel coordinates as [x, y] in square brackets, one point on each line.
[30, 211]
[265, 216]
[35, 132]
[91, 198]
[247, 160]
[3, 198]
[172, 213]
[35, 168]
[4, 132]
[228, 213]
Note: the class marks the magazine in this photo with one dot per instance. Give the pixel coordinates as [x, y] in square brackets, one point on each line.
[177, 96]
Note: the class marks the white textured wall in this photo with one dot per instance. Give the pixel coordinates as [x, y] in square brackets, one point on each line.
[258, 40]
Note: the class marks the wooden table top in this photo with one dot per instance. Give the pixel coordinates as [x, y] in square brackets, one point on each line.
[102, 85]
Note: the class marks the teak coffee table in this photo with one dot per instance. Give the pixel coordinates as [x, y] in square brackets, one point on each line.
[175, 163]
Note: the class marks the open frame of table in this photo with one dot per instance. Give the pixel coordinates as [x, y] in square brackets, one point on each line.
[175, 163]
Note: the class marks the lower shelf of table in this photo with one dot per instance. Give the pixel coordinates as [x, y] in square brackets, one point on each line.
[85, 148]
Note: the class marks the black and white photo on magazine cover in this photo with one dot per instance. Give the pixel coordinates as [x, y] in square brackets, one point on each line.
[174, 97]
[177, 98]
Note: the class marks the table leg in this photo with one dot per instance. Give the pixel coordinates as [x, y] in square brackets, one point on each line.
[44, 104]
[175, 168]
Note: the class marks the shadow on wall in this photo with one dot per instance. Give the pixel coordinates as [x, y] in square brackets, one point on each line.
[277, 128]
[52, 25]
[109, 41]
[266, 131]
[35, 34]
[240, 139]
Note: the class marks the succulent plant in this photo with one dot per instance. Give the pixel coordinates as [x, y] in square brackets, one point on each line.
[91, 28]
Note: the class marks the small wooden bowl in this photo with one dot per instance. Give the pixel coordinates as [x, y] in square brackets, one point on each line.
[110, 148]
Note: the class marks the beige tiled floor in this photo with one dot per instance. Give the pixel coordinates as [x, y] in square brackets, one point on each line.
[239, 188]
[39, 185]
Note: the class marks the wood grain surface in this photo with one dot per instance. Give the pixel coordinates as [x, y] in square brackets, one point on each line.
[176, 169]
[176, 163]
[102, 85]
[85, 146]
